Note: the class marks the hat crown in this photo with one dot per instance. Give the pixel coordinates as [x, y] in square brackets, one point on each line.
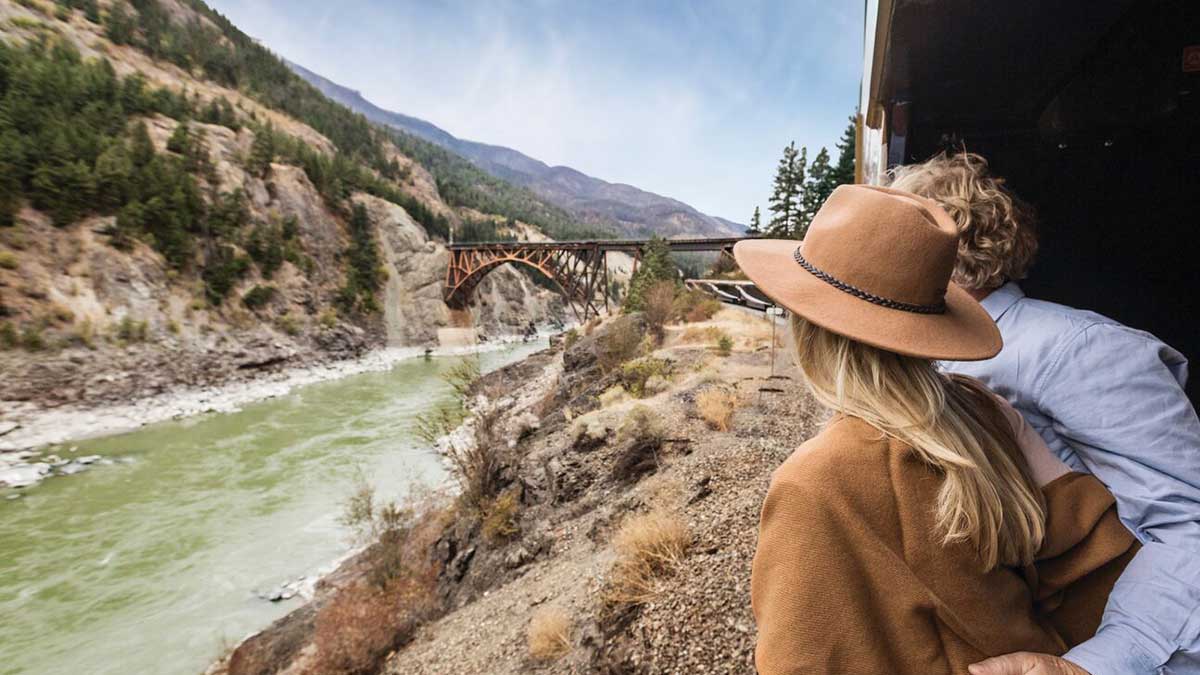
[884, 242]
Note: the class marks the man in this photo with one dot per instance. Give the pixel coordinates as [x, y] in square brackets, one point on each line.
[1108, 400]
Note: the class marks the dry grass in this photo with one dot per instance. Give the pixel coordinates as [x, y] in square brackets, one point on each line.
[716, 407]
[500, 517]
[649, 546]
[549, 634]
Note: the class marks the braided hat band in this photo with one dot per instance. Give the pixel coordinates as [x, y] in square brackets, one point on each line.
[938, 308]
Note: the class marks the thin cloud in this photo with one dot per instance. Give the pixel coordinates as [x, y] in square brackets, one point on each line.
[691, 100]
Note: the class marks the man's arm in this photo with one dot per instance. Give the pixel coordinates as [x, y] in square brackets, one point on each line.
[1113, 394]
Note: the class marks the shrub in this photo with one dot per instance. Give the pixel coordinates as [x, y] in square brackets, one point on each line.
[500, 517]
[658, 306]
[716, 407]
[328, 318]
[438, 422]
[478, 467]
[643, 436]
[612, 396]
[462, 376]
[649, 546]
[635, 374]
[8, 260]
[258, 297]
[724, 345]
[85, 334]
[570, 338]
[61, 313]
[9, 338]
[549, 634]
[31, 339]
[692, 306]
[131, 330]
[361, 625]
[618, 345]
[289, 324]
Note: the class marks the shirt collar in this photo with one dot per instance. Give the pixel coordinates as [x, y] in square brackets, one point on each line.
[1000, 300]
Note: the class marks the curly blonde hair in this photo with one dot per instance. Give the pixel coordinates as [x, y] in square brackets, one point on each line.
[997, 238]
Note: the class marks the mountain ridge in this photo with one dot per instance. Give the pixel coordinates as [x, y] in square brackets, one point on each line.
[620, 206]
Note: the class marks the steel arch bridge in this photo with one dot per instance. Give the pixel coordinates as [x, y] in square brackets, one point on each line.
[578, 268]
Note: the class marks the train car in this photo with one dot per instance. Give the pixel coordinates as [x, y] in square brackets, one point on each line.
[1091, 110]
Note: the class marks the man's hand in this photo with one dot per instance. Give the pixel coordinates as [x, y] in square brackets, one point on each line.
[1026, 663]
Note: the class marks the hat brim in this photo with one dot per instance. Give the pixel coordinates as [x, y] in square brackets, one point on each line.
[964, 332]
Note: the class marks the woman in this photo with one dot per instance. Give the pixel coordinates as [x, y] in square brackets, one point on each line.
[925, 528]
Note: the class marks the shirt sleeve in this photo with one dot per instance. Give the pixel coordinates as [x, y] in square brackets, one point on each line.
[1114, 395]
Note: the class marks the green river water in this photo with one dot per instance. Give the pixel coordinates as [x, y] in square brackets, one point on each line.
[149, 565]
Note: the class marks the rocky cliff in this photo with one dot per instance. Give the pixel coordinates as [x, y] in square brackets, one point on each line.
[92, 315]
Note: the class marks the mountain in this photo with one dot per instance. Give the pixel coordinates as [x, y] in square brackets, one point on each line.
[623, 208]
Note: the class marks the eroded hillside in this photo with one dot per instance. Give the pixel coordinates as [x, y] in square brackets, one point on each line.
[178, 209]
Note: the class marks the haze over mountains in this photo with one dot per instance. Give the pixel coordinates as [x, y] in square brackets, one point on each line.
[623, 208]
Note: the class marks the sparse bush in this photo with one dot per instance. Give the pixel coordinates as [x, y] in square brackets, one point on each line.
[61, 313]
[328, 318]
[619, 344]
[289, 324]
[549, 634]
[500, 517]
[643, 435]
[462, 376]
[173, 326]
[716, 407]
[613, 395]
[478, 467]
[693, 306]
[31, 339]
[438, 422]
[258, 297]
[637, 373]
[9, 338]
[8, 260]
[570, 338]
[658, 306]
[356, 631]
[132, 330]
[85, 334]
[649, 546]
[724, 345]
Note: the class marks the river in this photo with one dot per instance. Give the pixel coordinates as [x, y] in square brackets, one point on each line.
[149, 565]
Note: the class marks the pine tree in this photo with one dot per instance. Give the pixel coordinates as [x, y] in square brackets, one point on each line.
[842, 173]
[262, 151]
[142, 148]
[785, 199]
[180, 140]
[11, 151]
[655, 265]
[816, 191]
[119, 26]
[755, 228]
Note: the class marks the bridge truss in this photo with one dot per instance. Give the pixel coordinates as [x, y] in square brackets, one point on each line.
[578, 268]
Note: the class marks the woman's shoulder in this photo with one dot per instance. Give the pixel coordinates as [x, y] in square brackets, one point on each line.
[846, 454]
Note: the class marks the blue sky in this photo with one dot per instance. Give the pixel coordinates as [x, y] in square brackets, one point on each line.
[693, 100]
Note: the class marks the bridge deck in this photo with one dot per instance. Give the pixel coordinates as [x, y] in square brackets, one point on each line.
[627, 245]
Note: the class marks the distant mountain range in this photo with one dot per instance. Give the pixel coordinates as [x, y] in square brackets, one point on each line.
[624, 208]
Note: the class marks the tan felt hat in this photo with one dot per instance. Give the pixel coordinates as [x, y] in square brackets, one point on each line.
[875, 267]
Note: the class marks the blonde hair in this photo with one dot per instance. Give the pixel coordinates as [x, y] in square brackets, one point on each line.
[987, 497]
[997, 238]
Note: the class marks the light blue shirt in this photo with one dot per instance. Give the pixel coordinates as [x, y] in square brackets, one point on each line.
[1109, 401]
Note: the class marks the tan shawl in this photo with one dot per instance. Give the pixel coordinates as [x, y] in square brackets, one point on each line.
[850, 576]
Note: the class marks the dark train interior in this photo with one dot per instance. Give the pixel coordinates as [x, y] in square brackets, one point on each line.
[1091, 110]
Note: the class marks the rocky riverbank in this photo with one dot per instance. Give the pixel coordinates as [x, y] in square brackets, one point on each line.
[594, 450]
[29, 432]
